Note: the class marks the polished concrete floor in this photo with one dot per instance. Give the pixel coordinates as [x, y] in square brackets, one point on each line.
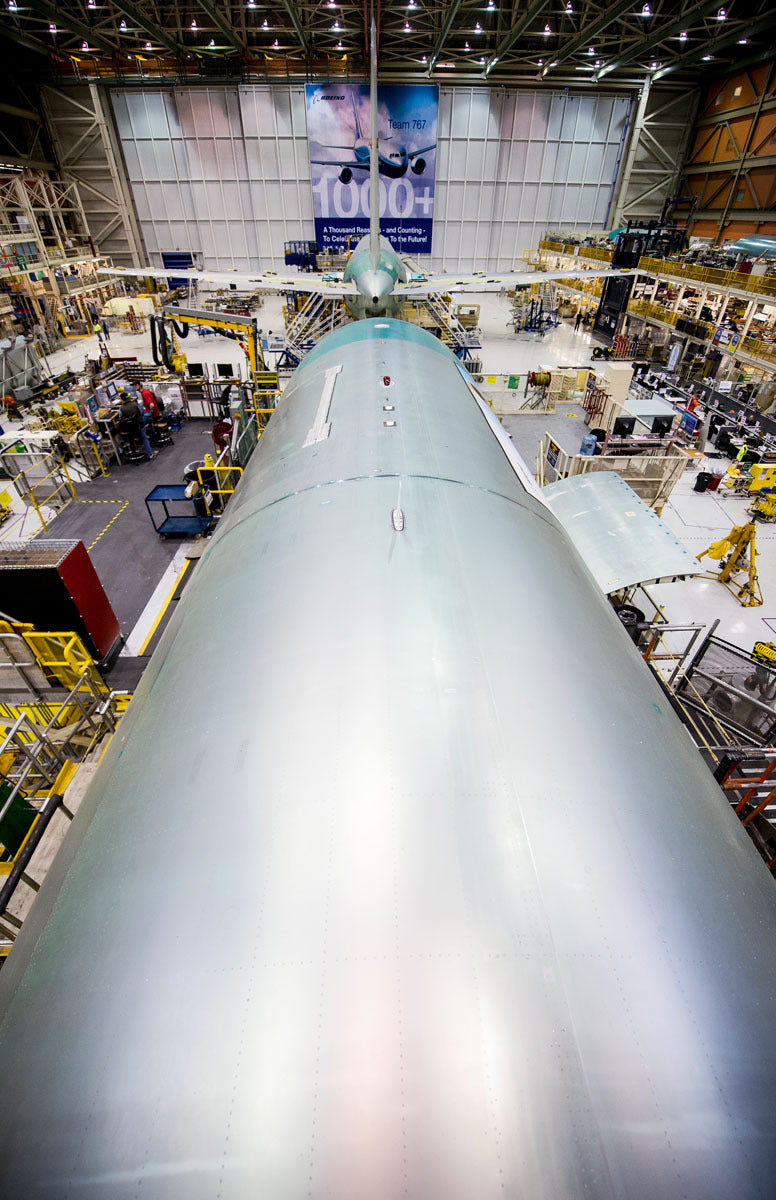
[697, 519]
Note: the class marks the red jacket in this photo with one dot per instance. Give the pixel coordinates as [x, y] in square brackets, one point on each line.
[149, 402]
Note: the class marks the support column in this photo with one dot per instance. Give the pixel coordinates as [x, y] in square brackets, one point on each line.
[630, 157]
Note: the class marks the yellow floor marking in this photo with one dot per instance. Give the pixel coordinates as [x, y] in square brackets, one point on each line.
[165, 606]
[124, 504]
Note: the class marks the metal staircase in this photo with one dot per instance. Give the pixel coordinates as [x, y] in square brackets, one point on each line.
[459, 339]
[316, 317]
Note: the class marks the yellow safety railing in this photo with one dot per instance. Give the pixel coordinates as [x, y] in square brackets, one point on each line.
[599, 253]
[711, 276]
[227, 477]
[27, 490]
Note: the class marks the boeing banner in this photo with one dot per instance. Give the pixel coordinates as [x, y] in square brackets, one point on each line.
[338, 119]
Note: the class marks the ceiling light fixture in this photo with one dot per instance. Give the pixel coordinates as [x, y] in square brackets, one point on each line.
[706, 57]
[569, 7]
[646, 11]
[424, 58]
[340, 46]
[12, 5]
[123, 26]
[265, 24]
[211, 44]
[84, 45]
[92, 4]
[407, 27]
[336, 27]
[721, 15]
[654, 66]
[591, 50]
[52, 28]
[540, 62]
[466, 46]
[276, 44]
[194, 26]
[491, 5]
[251, 3]
[478, 28]
[547, 31]
[412, 4]
[683, 36]
[743, 41]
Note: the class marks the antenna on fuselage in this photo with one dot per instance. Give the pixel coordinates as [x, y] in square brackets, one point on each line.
[374, 164]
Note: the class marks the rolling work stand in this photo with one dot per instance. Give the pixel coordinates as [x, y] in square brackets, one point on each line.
[176, 524]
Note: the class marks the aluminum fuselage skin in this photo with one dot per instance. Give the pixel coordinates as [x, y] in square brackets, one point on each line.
[400, 878]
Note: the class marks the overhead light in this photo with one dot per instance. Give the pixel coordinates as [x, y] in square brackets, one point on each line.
[336, 27]
[654, 66]
[265, 24]
[84, 45]
[706, 57]
[407, 27]
[12, 5]
[412, 4]
[554, 64]
[193, 26]
[491, 5]
[482, 62]
[251, 4]
[540, 62]
[276, 44]
[569, 7]
[721, 15]
[547, 31]
[743, 41]
[591, 50]
[123, 26]
[92, 4]
[683, 36]
[424, 58]
[52, 28]
[332, 4]
[646, 11]
[478, 28]
[598, 62]
[148, 45]
[466, 46]
[211, 45]
[340, 46]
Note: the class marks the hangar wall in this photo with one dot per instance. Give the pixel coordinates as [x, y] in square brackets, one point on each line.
[224, 171]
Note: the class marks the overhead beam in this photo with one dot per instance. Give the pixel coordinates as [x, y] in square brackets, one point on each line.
[13, 35]
[226, 29]
[730, 165]
[34, 164]
[660, 34]
[589, 32]
[27, 114]
[291, 10]
[63, 20]
[519, 27]
[456, 4]
[153, 30]
[687, 60]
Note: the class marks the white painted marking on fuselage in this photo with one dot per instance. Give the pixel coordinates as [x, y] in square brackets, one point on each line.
[321, 428]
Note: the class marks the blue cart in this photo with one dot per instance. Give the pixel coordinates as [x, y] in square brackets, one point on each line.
[177, 524]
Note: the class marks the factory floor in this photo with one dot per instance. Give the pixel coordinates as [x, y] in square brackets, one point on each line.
[137, 566]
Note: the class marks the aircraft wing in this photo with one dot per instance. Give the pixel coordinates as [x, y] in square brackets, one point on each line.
[482, 282]
[265, 281]
[336, 162]
[425, 150]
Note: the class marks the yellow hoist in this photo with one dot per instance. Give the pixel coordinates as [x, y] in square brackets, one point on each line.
[736, 555]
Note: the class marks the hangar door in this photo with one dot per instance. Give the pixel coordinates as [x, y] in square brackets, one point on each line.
[225, 171]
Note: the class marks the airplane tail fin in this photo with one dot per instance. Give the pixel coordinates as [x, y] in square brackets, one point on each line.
[357, 124]
[374, 165]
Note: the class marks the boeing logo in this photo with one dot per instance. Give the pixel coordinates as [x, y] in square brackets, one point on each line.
[316, 99]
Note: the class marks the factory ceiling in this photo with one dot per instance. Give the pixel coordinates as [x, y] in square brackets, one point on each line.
[519, 42]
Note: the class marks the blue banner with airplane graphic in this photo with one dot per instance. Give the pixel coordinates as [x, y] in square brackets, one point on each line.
[338, 120]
